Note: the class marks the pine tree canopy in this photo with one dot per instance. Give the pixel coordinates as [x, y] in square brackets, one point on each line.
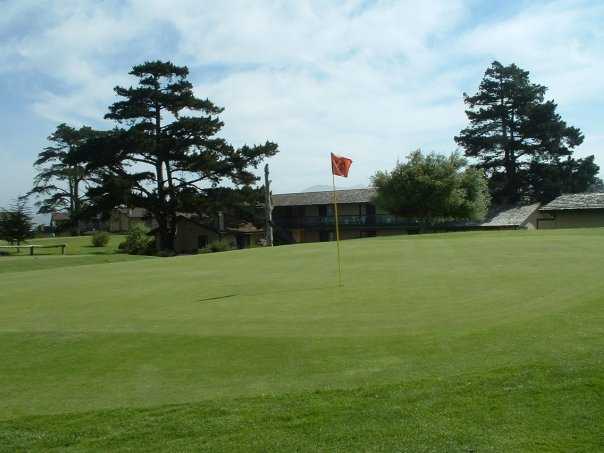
[165, 147]
[514, 129]
[63, 179]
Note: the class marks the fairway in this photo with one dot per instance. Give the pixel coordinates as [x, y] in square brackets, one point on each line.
[485, 341]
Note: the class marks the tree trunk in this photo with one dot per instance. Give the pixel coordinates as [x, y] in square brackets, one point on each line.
[165, 214]
[164, 237]
[506, 144]
[171, 205]
[72, 207]
[76, 204]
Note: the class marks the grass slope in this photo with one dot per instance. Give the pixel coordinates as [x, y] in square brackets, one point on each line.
[453, 342]
[50, 262]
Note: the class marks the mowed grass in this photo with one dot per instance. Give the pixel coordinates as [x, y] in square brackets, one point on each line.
[79, 251]
[447, 342]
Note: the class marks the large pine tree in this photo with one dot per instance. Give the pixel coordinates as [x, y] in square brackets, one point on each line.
[165, 150]
[513, 130]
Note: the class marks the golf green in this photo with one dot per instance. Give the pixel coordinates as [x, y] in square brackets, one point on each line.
[486, 341]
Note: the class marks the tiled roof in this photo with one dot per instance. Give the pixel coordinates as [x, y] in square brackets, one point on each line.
[325, 197]
[573, 201]
[245, 227]
[509, 215]
[59, 216]
[132, 213]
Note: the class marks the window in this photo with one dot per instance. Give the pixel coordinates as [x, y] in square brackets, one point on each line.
[202, 241]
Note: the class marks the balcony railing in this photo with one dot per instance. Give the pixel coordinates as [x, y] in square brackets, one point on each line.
[379, 220]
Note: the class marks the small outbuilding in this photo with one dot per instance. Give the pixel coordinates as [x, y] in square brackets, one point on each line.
[246, 235]
[512, 217]
[193, 234]
[576, 210]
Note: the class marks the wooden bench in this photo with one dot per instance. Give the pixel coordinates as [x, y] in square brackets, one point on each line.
[32, 247]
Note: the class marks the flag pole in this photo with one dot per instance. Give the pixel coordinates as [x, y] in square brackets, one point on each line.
[335, 208]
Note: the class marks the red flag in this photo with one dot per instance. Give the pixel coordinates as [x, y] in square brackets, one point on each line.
[340, 165]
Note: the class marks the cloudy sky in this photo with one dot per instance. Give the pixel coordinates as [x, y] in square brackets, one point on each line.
[371, 80]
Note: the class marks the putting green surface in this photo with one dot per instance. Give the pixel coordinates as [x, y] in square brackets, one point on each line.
[447, 342]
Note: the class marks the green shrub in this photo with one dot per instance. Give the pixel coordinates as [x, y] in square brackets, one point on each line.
[138, 241]
[100, 239]
[220, 246]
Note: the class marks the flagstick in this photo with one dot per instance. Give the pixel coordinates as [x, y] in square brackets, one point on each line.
[335, 207]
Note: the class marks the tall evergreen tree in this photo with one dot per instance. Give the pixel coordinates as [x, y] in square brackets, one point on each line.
[548, 180]
[16, 222]
[165, 149]
[512, 129]
[63, 179]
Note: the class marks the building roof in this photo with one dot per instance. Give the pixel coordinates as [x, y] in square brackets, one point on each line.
[59, 216]
[191, 219]
[323, 197]
[503, 216]
[245, 228]
[132, 213]
[575, 201]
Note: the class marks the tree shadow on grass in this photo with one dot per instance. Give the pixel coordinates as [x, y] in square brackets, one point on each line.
[210, 299]
[262, 293]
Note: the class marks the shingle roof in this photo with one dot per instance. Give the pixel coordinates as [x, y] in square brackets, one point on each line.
[245, 227]
[509, 216]
[573, 201]
[325, 197]
[59, 216]
[132, 213]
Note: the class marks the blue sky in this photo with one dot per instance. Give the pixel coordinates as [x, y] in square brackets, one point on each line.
[372, 80]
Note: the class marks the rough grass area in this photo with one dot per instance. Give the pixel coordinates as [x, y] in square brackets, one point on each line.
[79, 252]
[31, 263]
[448, 342]
[76, 245]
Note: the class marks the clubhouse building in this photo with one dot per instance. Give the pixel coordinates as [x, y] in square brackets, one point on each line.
[309, 217]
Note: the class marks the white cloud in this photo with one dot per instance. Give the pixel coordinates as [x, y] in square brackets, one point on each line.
[370, 79]
[561, 43]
